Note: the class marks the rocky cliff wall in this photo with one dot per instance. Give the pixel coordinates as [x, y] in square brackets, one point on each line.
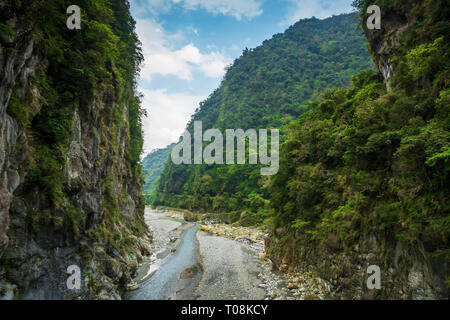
[69, 186]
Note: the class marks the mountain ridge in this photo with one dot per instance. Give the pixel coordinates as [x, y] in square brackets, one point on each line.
[267, 87]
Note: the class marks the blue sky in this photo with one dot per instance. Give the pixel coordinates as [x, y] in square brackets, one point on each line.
[188, 43]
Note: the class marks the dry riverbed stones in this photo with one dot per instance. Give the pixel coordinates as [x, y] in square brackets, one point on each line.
[278, 286]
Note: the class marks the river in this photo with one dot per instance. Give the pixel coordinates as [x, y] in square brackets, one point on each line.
[227, 262]
[191, 264]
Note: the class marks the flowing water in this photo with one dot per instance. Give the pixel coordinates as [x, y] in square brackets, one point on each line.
[191, 264]
[176, 274]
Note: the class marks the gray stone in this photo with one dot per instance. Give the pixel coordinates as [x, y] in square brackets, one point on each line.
[13, 180]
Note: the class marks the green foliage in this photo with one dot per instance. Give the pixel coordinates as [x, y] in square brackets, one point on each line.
[267, 87]
[45, 173]
[153, 165]
[18, 110]
[366, 159]
[6, 30]
[98, 63]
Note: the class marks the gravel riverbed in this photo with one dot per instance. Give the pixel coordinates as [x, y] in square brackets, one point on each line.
[235, 266]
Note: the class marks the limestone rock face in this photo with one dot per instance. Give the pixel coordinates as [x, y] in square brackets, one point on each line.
[384, 43]
[405, 271]
[16, 64]
[100, 199]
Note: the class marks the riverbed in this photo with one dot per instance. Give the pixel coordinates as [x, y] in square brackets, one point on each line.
[173, 271]
[187, 263]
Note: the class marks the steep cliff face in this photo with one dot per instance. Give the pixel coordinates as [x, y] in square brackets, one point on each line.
[11, 66]
[70, 141]
[375, 191]
[385, 42]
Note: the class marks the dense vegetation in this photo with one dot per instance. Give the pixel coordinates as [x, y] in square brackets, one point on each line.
[152, 167]
[86, 89]
[367, 159]
[102, 58]
[267, 87]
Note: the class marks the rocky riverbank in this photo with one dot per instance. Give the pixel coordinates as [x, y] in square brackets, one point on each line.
[264, 282]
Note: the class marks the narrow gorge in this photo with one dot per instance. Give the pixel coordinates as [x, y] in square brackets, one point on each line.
[364, 138]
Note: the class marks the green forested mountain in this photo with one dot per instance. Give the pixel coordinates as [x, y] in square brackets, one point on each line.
[152, 167]
[364, 175]
[267, 87]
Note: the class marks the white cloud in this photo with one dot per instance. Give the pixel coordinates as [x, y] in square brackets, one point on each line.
[302, 9]
[145, 7]
[162, 57]
[168, 114]
[213, 65]
[234, 8]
